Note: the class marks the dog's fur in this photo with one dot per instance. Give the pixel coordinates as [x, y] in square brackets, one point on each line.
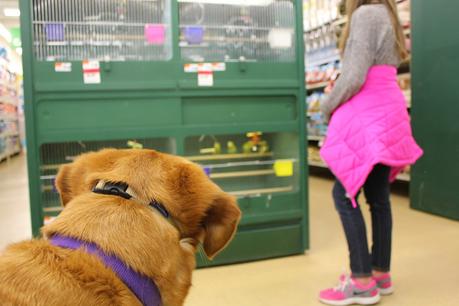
[38, 273]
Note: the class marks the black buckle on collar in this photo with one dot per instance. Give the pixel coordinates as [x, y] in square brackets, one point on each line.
[116, 189]
[120, 190]
[159, 207]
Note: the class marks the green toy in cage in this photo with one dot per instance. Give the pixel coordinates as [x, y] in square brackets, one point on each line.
[255, 144]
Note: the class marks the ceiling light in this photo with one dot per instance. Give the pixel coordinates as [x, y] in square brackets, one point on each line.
[11, 12]
[5, 33]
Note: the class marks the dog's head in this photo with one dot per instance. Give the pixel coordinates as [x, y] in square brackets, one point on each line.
[199, 211]
[198, 207]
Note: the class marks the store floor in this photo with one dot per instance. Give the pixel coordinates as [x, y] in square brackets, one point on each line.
[425, 258]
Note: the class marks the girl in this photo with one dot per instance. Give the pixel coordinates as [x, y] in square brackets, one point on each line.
[368, 143]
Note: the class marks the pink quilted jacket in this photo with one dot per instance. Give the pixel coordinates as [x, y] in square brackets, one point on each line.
[373, 127]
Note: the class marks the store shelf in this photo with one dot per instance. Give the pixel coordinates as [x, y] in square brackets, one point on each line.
[6, 85]
[8, 100]
[403, 177]
[340, 21]
[335, 22]
[316, 137]
[195, 158]
[5, 156]
[50, 167]
[228, 156]
[324, 61]
[407, 94]
[404, 76]
[316, 86]
[261, 191]
[319, 164]
[4, 135]
[53, 209]
[241, 174]
[9, 118]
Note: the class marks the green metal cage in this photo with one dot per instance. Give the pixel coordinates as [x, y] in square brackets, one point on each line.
[220, 82]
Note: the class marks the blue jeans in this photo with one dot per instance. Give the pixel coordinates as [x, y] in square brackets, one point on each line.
[377, 192]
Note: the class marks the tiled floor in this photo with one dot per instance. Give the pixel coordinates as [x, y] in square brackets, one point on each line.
[14, 201]
[425, 257]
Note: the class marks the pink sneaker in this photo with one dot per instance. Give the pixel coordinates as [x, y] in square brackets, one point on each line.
[349, 292]
[384, 283]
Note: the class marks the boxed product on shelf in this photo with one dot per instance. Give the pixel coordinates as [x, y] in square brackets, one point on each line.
[404, 13]
[317, 12]
[323, 73]
[316, 120]
[9, 124]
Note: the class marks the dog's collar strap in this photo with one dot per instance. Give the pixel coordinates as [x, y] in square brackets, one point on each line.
[123, 190]
[143, 287]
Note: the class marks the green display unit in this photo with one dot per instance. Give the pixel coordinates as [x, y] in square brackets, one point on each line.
[220, 82]
[435, 107]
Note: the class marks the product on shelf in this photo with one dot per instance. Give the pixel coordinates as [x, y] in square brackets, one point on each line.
[316, 122]
[318, 12]
[231, 147]
[9, 125]
[404, 9]
[314, 155]
[324, 73]
[235, 32]
[255, 144]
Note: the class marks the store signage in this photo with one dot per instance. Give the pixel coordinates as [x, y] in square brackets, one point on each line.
[91, 72]
[62, 67]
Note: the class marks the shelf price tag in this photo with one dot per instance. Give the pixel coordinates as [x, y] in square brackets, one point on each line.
[205, 75]
[62, 67]
[91, 72]
[283, 167]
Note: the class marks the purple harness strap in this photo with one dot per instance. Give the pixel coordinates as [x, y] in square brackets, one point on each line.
[142, 286]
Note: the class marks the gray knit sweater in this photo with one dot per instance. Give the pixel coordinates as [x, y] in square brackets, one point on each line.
[371, 42]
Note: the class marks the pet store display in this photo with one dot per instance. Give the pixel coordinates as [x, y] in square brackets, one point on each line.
[187, 77]
[115, 30]
[233, 31]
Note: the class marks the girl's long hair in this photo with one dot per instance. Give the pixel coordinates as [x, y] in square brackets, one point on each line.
[352, 5]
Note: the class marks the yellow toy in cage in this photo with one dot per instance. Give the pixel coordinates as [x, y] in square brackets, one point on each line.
[215, 149]
[255, 144]
[134, 144]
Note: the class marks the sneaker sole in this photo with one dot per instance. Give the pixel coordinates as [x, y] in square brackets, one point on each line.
[357, 300]
[386, 291]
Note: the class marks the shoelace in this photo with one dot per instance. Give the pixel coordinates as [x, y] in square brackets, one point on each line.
[343, 283]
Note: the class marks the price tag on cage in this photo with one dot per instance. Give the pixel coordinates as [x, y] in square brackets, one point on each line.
[205, 75]
[91, 72]
[205, 78]
[62, 67]
[283, 168]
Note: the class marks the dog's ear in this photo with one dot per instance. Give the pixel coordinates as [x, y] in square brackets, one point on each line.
[220, 224]
[63, 183]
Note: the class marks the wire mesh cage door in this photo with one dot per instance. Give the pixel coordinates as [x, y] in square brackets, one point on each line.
[257, 30]
[115, 30]
[54, 155]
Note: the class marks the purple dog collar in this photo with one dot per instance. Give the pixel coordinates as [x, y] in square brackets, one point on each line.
[142, 286]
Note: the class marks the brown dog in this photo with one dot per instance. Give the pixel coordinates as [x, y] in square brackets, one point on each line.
[157, 243]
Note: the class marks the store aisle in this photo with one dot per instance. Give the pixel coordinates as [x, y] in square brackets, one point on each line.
[14, 201]
[425, 263]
